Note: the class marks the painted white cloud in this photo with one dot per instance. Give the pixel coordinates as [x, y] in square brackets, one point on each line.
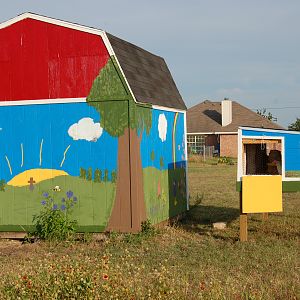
[85, 129]
[162, 127]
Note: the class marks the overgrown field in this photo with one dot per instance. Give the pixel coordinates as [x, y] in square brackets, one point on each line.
[187, 261]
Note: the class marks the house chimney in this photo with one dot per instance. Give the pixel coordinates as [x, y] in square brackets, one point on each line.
[226, 112]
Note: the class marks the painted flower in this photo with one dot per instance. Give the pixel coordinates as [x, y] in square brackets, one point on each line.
[43, 202]
[63, 207]
[75, 199]
[54, 207]
[69, 194]
[45, 195]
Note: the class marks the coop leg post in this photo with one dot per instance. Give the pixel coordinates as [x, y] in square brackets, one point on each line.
[265, 216]
[243, 227]
[243, 222]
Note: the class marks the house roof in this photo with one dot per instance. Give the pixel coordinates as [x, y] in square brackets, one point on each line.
[147, 74]
[206, 117]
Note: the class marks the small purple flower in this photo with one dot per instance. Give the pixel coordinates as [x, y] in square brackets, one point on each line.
[63, 200]
[69, 194]
[45, 195]
[43, 202]
[54, 207]
[63, 207]
[75, 199]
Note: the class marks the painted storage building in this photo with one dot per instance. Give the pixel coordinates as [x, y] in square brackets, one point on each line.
[89, 117]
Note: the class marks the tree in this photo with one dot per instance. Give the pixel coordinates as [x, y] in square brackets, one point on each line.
[295, 126]
[121, 117]
[267, 115]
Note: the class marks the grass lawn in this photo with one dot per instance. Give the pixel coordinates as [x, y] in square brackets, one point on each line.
[187, 261]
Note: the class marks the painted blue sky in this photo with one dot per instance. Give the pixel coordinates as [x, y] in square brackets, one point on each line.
[163, 145]
[30, 124]
[45, 134]
[244, 50]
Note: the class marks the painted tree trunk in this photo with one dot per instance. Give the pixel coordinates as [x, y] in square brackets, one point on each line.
[129, 208]
[137, 186]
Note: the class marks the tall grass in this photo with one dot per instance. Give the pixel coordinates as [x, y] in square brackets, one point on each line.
[190, 260]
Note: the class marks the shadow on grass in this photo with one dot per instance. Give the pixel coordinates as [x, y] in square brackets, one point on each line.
[199, 219]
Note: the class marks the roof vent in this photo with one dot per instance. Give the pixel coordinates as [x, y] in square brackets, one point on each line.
[226, 112]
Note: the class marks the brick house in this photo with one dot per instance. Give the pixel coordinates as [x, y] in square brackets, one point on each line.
[215, 125]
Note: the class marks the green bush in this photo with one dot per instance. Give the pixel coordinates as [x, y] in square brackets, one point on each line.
[54, 222]
[225, 160]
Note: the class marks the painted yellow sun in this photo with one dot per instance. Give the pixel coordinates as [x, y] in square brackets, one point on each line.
[37, 175]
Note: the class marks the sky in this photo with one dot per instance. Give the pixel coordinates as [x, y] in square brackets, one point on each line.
[247, 51]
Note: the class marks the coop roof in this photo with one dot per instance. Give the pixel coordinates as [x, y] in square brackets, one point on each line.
[147, 75]
[206, 117]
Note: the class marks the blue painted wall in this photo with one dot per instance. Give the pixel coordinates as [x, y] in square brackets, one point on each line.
[29, 124]
[163, 148]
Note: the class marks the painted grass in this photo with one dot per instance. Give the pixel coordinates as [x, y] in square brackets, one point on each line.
[186, 261]
[165, 193]
[19, 204]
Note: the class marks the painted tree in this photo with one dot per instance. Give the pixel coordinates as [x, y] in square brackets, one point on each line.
[89, 174]
[97, 175]
[82, 173]
[105, 178]
[121, 117]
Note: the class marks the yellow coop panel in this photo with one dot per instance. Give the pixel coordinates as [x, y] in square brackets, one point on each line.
[262, 194]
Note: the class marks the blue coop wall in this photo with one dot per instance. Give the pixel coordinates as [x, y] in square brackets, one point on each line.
[291, 145]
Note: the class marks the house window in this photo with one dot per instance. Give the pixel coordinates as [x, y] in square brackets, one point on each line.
[196, 144]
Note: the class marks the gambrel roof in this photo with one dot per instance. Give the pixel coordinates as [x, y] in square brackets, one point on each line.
[147, 75]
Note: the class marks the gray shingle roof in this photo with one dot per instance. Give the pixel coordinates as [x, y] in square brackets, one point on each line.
[147, 74]
[206, 117]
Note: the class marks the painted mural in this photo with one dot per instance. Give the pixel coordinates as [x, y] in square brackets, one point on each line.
[119, 162]
[164, 163]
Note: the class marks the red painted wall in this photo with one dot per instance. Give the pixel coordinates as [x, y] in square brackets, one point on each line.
[44, 61]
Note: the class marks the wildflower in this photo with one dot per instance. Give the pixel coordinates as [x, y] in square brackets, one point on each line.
[75, 199]
[69, 194]
[63, 207]
[63, 200]
[45, 195]
[43, 202]
[105, 277]
[54, 207]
